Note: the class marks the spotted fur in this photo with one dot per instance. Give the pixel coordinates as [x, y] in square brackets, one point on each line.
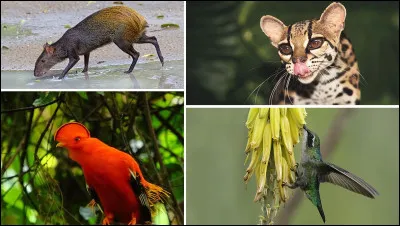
[328, 74]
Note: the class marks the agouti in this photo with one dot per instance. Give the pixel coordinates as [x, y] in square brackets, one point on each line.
[119, 24]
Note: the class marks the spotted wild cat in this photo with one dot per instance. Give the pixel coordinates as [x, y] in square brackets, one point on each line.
[320, 64]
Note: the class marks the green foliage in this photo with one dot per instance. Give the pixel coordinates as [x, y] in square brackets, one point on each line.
[41, 185]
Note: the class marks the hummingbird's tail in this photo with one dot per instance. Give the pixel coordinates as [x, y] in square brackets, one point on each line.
[321, 211]
[336, 175]
[314, 197]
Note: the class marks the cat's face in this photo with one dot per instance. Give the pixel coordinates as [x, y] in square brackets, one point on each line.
[307, 47]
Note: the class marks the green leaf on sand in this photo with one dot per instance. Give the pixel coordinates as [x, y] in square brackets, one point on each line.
[169, 26]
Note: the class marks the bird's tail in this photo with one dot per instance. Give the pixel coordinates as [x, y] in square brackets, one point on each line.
[155, 193]
[321, 211]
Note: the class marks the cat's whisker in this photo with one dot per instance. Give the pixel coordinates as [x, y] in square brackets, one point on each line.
[274, 89]
[363, 78]
[275, 75]
[287, 90]
[259, 87]
[284, 90]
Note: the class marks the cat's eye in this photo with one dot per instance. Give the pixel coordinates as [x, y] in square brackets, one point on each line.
[285, 49]
[315, 43]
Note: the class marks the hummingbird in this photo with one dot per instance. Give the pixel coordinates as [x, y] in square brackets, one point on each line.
[313, 170]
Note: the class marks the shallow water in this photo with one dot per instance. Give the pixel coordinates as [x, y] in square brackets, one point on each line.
[144, 76]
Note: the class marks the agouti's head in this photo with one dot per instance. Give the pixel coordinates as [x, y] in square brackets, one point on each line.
[46, 60]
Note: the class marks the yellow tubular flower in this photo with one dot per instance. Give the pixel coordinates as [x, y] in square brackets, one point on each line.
[272, 131]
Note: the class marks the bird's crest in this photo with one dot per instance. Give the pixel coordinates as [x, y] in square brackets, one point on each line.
[71, 129]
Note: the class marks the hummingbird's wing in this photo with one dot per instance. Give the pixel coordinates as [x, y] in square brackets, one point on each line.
[336, 175]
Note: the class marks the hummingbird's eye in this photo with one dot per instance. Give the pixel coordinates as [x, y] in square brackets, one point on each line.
[310, 140]
[77, 139]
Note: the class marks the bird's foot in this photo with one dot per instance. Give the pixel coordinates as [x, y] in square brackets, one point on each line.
[91, 204]
[292, 186]
[133, 220]
[107, 219]
[294, 169]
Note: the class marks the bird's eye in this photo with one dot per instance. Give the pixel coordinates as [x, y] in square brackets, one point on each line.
[310, 141]
[77, 139]
[315, 43]
[285, 49]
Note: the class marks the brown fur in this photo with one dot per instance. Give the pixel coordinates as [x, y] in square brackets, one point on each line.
[113, 17]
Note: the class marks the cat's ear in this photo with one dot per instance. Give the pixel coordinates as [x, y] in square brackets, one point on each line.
[273, 28]
[333, 18]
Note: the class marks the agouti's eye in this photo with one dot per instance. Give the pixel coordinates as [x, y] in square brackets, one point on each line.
[315, 43]
[285, 49]
[77, 139]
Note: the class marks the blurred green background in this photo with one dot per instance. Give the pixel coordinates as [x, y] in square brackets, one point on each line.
[229, 55]
[368, 147]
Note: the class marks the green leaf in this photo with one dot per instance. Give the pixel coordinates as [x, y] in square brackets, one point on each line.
[160, 16]
[44, 98]
[83, 95]
[169, 25]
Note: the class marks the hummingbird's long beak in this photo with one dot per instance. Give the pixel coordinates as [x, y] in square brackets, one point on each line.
[306, 129]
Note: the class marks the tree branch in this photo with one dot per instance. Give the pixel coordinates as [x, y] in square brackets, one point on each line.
[157, 153]
[166, 124]
[30, 108]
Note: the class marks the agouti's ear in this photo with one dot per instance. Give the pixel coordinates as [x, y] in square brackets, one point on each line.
[48, 48]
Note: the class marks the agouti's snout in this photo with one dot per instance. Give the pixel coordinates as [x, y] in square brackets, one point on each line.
[119, 24]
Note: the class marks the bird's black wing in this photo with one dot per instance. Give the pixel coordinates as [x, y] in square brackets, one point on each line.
[139, 190]
[336, 175]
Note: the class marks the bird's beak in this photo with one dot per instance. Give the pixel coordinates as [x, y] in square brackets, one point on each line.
[306, 129]
[60, 145]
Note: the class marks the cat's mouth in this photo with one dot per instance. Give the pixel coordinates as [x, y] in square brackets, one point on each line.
[301, 70]
[303, 73]
[304, 76]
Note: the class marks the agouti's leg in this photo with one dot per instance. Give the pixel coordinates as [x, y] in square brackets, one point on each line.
[73, 59]
[152, 40]
[128, 48]
[85, 69]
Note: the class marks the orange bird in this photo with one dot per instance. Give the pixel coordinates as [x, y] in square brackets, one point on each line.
[113, 177]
